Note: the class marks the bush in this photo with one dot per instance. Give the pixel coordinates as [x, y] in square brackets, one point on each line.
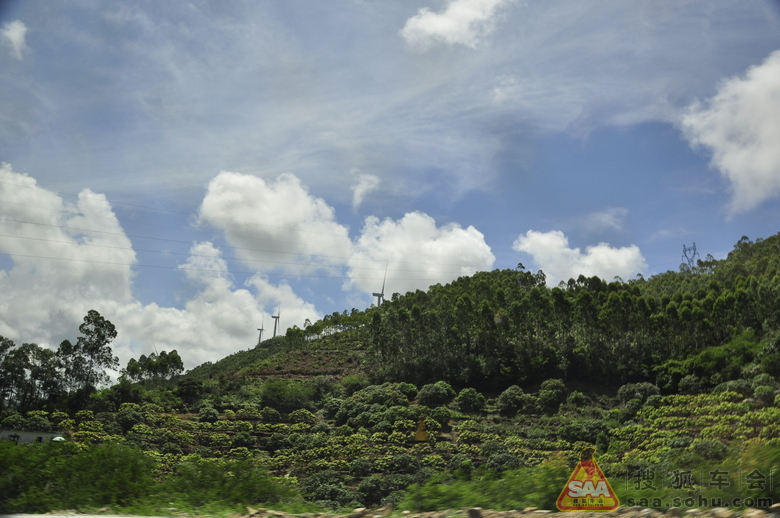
[586, 431]
[742, 387]
[640, 391]
[243, 440]
[461, 462]
[576, 399]
[710, 450]
[360, 468]
[765, 394]
[205, 481]
[690, 384]
[441, 415]
[208, 414]
[370, 491]
[502, 462]
[286, 395]
[46, 476]
[531, 404]
[552, 393]
[469, 400]
[435, 394]
[303, 416]
[409, 390]
[354, 383]
[761, 379]
[510, 400]
[405, 463]
[270, 415]
[14, 422]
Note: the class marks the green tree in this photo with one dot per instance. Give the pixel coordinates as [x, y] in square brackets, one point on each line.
[85, 362]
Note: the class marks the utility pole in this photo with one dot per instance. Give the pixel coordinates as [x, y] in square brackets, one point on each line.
[690, 255]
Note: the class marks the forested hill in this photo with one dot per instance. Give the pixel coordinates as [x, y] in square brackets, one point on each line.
[697, 326]
[510, 378]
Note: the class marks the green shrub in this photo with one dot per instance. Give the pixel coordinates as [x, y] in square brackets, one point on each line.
[710, 450]
[461, 462]
[204, 481]
[405, 463]
[270, 415]
[469, 400]
[586, 431]
[510, 400]
[435, 394]
[286, 395]
[354, 383]
[303, 416]
[742, 387]
[764, 394]
[360, 468]
[690, 384]
[761, 379]
[243, 440]
[370, 491]
[640, 391]
[208, 414]
[409, 390]
[502, 462]
[552, 393]
[41, 477]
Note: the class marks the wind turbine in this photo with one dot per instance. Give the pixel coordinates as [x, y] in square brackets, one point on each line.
[260, 338]
[381, 296]
[276, 318]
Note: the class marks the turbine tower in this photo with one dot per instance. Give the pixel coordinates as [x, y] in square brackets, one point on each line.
[690, 255]
[381, 296]
[276, 318]
[260, 338]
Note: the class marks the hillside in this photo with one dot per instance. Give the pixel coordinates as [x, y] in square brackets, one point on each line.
[673, 374]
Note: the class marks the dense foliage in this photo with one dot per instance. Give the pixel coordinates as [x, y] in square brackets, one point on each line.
[510, 380]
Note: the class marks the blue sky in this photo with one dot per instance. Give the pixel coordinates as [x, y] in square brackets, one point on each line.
[185, 168]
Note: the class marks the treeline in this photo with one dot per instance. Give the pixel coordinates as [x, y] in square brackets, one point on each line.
[499, 328]
[34, 377]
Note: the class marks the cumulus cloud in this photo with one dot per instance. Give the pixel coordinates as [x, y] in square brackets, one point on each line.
[275, 224]
[416, 252]
[740, 126]
[220, 318]
[67, 258]
[12, 35]
[462, 21]
[552, 254]
[607, 219]
[365, 183]
[64, 255]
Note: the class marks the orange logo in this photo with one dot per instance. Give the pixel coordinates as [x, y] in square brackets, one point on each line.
[587, 488]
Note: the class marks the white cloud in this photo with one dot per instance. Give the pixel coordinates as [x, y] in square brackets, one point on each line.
[219, 319]
[365, 184]
[417, 254]
[740, 125]
[13, 36]
[64, 256]
[68, 258]
[607, 219]
[276, 224]
[552, 254]
[462, 21]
